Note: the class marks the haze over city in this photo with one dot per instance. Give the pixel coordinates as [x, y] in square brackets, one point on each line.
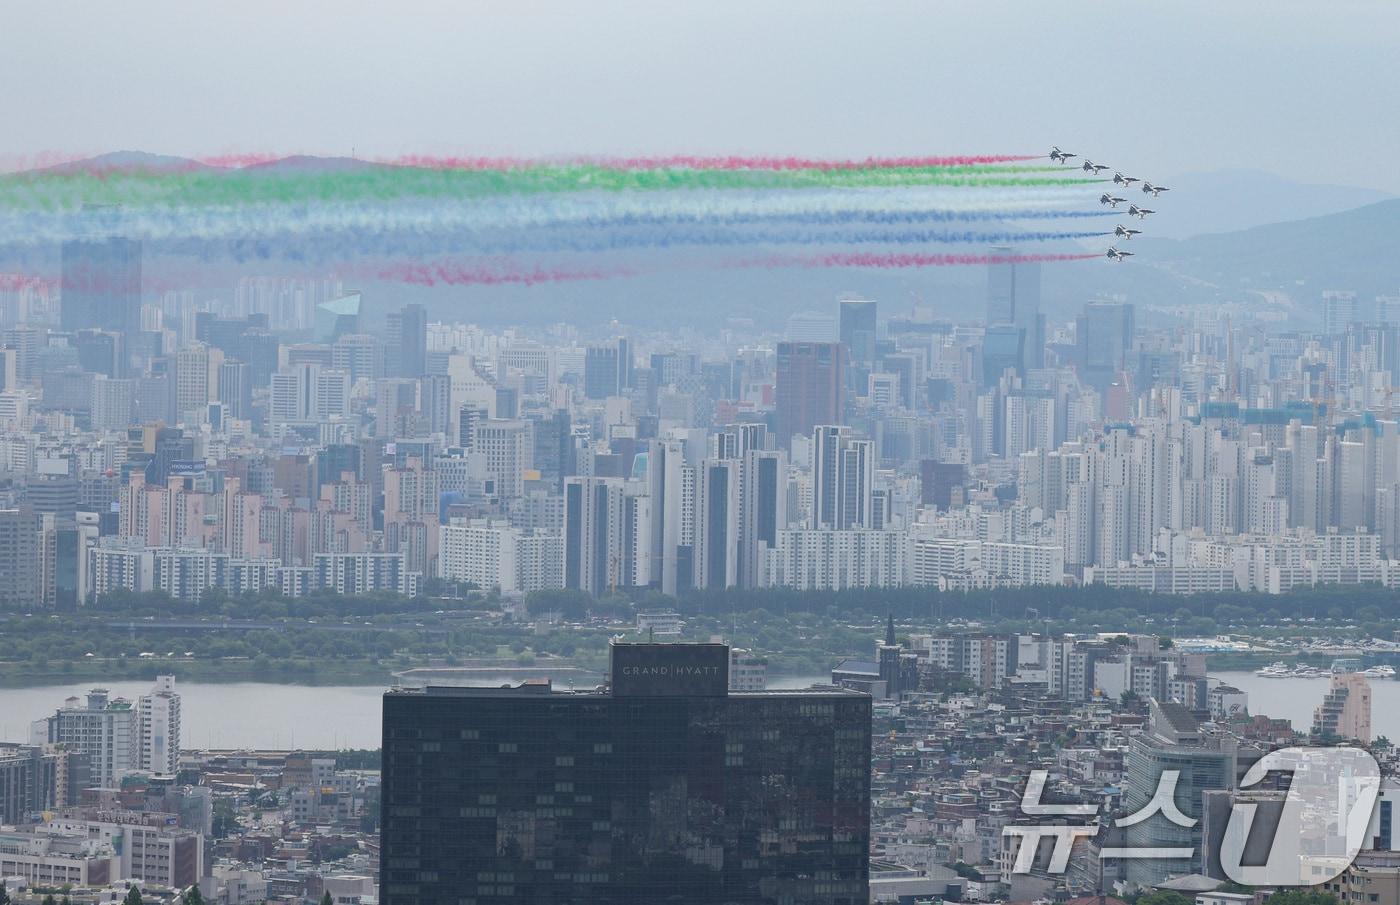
[619, 453]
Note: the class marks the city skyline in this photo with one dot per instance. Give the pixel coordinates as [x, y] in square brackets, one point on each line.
[620, 453]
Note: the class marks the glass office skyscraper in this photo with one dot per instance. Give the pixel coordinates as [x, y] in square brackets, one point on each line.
[101, 284]
[662, 787]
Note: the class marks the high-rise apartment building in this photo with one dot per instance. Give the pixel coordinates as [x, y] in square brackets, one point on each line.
[106, 730]
[607, 534]
[843, 477]
[664, 786]
[19, 559]
[763, 505]
[1345, 711]
[159, 713]
[717, 523]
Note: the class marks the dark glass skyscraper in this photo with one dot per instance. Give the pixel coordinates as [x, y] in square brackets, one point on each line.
[607, 369]
[858, 330]
[101, 285]
[811, 387]
[1104, 333]
[407, 337]
[1013, 297]
[665, 787]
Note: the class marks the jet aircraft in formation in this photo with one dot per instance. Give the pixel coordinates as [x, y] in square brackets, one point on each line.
[1109, 199]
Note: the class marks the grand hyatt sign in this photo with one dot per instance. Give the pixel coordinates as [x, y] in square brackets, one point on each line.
[670, 670]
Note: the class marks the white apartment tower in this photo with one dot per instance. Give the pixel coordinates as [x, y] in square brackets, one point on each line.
[159, 712]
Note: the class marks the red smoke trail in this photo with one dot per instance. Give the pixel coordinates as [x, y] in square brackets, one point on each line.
[13, 282]
[696, 162]
[239, 160]
[505, 272]
[678, 161]
[451, 273]
[39, 160]
[897, 261]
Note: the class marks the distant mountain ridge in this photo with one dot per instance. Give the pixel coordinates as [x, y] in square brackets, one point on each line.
[1224, 201]
[144, 161]
[1356, 250]
[127, 160]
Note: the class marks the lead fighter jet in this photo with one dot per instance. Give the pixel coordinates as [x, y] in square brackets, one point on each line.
[1139, 212]
[1116, 255]
[1061, 156]
[1154, 189]
[1123, 232]
[1111, 201]
[1124, 181]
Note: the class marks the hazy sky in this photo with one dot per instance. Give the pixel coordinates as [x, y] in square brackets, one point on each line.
[1308, 90]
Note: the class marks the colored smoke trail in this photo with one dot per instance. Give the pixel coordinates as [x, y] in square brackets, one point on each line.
[331, 244]
[901, 261]
[58, 191]
[697, 162]
[663, 211]
[497, 221]
[546, 241]
[675, 161]
[14, 282]
[505, 271]
[500, 273]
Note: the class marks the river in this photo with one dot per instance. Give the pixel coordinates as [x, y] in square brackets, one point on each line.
[265, 715]
[251, 714]
[1294, 699]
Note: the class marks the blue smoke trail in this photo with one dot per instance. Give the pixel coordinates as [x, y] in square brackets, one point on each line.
[336, 246]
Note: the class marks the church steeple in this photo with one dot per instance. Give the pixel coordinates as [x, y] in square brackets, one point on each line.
[889, 631]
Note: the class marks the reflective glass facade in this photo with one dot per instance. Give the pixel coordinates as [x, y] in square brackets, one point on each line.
[528, 795]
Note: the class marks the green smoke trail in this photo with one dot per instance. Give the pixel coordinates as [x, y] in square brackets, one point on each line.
[65, 191]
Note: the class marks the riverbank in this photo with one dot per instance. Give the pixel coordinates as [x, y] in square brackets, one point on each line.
[277, 716]
[308, 673]
[296, 672]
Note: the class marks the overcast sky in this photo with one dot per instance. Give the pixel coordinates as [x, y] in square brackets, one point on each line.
[1304, 89]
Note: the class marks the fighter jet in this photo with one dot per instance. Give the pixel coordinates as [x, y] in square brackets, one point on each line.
[1154, 189]
[1061, 156]
[1095, 168]
[1123, 232]
[1111, 201]
[1139, 212]
[1116, 255]
[1125, 181]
